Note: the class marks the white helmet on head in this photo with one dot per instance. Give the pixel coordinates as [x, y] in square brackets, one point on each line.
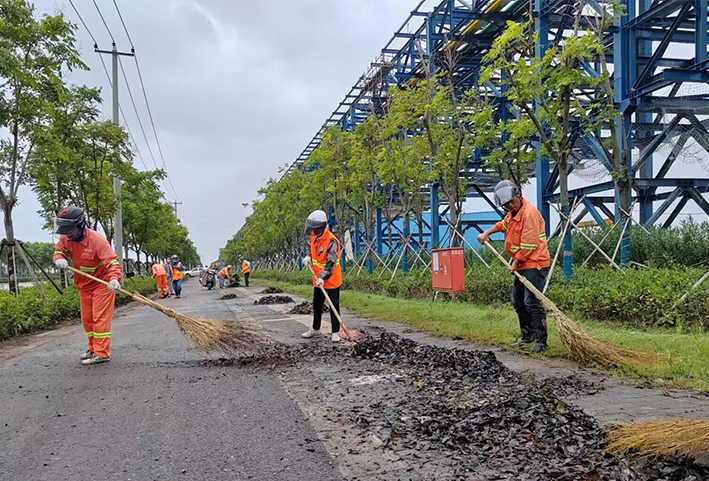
[315, 221]
[505, 191]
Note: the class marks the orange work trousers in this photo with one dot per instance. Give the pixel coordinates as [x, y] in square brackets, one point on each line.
[163, 290]
[96, 316]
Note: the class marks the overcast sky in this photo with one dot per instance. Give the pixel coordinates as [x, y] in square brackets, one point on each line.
[237, 88]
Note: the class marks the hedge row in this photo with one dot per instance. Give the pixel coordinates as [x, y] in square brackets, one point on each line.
[636, 297]
[29, 312]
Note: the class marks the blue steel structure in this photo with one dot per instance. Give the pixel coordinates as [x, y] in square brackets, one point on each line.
[655, 49]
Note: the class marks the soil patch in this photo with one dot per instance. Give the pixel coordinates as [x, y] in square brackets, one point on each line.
[272, 290]
[274, 300]
[306, 307]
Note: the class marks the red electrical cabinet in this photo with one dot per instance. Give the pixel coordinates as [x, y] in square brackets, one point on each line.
[447, 270]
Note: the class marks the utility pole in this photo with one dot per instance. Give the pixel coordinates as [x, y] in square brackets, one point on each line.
[118, 219]
[175, 203]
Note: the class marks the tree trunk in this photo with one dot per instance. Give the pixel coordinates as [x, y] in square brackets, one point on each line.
[566, 210]
[11, 258]
[405, 244]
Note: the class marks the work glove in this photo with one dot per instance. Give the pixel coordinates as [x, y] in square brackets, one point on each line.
[61, 263]
[114, 285]
[320, 282]
[307, 261]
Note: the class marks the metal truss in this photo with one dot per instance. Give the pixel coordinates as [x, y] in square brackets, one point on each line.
[648, 49]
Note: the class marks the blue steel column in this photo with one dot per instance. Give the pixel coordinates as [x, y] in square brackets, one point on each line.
[541, 25]
[435, 219]
[701, 34]
[625, 62]
[380, 233]
[647, 170]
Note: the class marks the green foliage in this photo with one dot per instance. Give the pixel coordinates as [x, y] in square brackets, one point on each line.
[638, 298]
[29, 312]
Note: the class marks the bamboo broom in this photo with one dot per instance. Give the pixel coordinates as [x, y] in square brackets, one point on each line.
[584, 346]
[687, 437]
[203, 334]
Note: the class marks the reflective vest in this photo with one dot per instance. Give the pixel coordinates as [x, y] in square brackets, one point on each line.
[318, 254]
[245, 269]
[224, 272]
[93, 255]
[175, 272]
[526, 238]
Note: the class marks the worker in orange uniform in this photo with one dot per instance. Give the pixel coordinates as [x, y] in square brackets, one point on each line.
[246, 271]
[176, 269]
[525, 241]
[223, 275]
[90, 252]
[160, 275]
[324, 258]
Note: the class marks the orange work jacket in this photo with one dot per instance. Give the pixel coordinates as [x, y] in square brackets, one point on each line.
[318, 254]
[245, 269]
[224, 272]
[159, 270]
[92, 255]
[525, 237]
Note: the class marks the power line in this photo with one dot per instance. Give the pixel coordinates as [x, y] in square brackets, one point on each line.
[123, 115]
[123, 23]
[140, 122]
[104, 22]
[83, 23]
[152, 123]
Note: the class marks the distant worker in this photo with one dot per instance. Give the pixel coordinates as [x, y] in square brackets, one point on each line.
[246, 270]
[176, 273]
[168, 271]
[160, 275]
[324, 259]
[90, 252]
[223, 275]
[525, 241]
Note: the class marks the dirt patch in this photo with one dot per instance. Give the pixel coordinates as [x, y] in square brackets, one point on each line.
[228, 296]
[306, 307]
[274, 300]
[272, 290]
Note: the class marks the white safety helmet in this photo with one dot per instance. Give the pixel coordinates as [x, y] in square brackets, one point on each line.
[315, 221]
[505, 191]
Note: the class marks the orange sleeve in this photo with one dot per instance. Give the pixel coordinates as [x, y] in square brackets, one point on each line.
[60, 250]
[532, 228]
[109, 259]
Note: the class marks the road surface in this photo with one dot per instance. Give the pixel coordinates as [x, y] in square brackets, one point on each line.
[155, 412]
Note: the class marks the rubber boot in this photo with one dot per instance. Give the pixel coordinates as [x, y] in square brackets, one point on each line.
[526, 327]
[540, 331]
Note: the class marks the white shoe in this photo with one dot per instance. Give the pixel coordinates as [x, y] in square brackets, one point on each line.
[335, 337]
[86, 355]
[95, 360]
[310, 333]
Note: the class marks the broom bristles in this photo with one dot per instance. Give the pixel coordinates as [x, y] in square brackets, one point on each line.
[588, 348]
[210, 335]
[687, 437]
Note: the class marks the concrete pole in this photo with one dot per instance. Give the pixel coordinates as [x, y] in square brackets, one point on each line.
[118, 219]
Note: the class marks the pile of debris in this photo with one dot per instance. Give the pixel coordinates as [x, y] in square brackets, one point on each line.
[272, 290]
[274, 300]
[306, 308]
[228, 296]
[494, 422]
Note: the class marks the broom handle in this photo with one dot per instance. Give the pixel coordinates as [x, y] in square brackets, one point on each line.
[329, 302]
[77, 271]
[523, 279]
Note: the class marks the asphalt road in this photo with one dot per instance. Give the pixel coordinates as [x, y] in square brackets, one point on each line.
[153, 413]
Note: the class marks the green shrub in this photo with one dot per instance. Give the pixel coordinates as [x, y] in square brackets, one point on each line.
[637, 297]
[30, 312]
